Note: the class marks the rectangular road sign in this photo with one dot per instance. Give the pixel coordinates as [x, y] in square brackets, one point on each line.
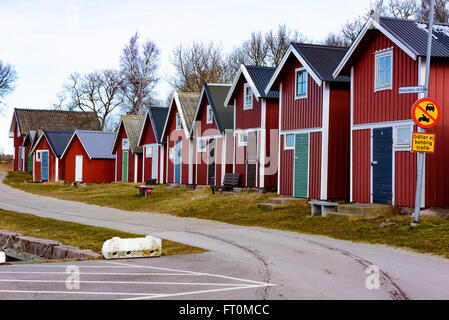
[423, 142]
[417, 89]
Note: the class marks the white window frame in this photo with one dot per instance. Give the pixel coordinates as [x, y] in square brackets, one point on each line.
[243, 142]
[210, 115]
[178, 121]
[171, 153]
[201, 147]
[302, 96]
[287, 147]
[245, 105]
[377, 57]
[38, 156]
[125, 144]
[402, 146]
[149, 151]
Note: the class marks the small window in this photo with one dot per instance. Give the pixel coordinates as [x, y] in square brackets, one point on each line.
[125, 144]
[243, 139]
[248, 97]
[289, 141]
[210, 115]
[403, 137]
[171, 153]
[384, 70]
[148, 152]
[178, 121]
[38, 156]
[300, 83]
[201, 145]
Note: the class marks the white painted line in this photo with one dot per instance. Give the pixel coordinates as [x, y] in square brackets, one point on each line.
[101, 273]
[78, 292]
[148, 267]
[131, 282]
[193, 292]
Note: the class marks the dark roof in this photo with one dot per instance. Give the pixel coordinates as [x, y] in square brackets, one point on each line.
[261, 76]
[159, 116]
[98, 144]
[58, 140]
[322, 59]
[53, 120]
[216, 95]
[414, 33]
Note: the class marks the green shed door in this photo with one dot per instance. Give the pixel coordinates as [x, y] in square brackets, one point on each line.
[30, 163]
[125, 167]
[301, 165]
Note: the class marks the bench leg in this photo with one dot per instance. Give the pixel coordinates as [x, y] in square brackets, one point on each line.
[315, 209]
[325, 210]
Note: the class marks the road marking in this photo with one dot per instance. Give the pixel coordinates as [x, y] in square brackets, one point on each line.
[101, 273]
[130, 282]
[78, 292]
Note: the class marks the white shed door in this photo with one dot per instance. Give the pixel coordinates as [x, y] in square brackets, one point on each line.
[155, 162]
[79, 169]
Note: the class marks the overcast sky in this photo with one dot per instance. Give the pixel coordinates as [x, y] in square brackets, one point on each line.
[47, 40]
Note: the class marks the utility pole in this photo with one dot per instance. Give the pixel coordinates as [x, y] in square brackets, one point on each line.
[421, 155]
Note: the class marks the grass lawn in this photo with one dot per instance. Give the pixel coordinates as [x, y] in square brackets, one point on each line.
[431, 236]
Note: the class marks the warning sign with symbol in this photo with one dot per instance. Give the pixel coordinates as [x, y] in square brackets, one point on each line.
[423, 142]
[426, 113]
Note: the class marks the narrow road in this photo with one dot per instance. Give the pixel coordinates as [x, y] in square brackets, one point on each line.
[298, 266]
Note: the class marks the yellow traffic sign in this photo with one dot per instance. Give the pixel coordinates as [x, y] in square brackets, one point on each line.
[426, 113]
[423, 142]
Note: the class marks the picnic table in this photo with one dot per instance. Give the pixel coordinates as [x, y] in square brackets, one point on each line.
[144, 190]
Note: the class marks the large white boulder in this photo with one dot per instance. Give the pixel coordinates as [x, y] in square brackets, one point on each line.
[117, 248]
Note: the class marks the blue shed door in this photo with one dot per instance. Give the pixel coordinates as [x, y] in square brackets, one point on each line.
[382, 163]
[44, 166]
[178, 155]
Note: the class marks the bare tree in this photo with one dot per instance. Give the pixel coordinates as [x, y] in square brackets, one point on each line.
[256, 49]
[98, 92]
[278, 43]
[198, 63]
[336, 40]
[402, 9]
[441, 11]
[236, 58]
[351, 29]
[139, 68]
[8, 77]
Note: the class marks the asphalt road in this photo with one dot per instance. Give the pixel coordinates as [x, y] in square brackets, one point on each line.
[243, 262]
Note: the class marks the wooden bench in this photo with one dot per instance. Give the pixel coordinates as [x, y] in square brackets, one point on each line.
[322, 207]
[144, 190]
[230, 181]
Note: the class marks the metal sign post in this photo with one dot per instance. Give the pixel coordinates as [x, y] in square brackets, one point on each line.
[426, 94]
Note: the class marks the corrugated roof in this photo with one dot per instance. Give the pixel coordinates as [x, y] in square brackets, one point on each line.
[414, 34]
[216, 95]
[53, 120]
[133, 125]
[188, 101]
[261, 76]
[98, 144]
[322, 59]
[58, 140]
[159, 116]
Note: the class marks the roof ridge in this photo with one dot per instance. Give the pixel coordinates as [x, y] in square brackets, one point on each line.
[413, 20]
[52, 110]
[324, 46]
[259, 67]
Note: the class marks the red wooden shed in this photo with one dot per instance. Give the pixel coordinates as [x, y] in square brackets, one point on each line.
[88, 157]
[128, 164]
[46, 153]
[27, 158]
[314, 123]
[389, 54]
[212, 134]
[150, 139]
[256, 123]
[176, 135]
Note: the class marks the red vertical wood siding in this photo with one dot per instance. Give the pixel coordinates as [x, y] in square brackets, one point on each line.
[271, 143]
[405, 178]
[361, 162]
[286, 169]
[437, 170]
[385, 105]
[301, 113]
[246, 119]
[315, 165]
[240, 158]
[44, 145]
[148, 137]
[339, 142]
[18, 141]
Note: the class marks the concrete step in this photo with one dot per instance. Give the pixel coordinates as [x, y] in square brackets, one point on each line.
[344, 215]
[271, 206]
[368, 210]
[285, 201]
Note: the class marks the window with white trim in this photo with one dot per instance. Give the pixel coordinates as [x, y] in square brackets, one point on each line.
[210, 115]
[383, 70]
[247, 97]
[201, 145]
[125, 144]
[243, 139]
[178, 121]
[300, 83]
[403, 137]
[171, 153]
[289, 142]
[38, 156]
[148, 151]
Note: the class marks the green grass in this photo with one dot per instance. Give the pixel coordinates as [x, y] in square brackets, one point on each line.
[431, 236]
